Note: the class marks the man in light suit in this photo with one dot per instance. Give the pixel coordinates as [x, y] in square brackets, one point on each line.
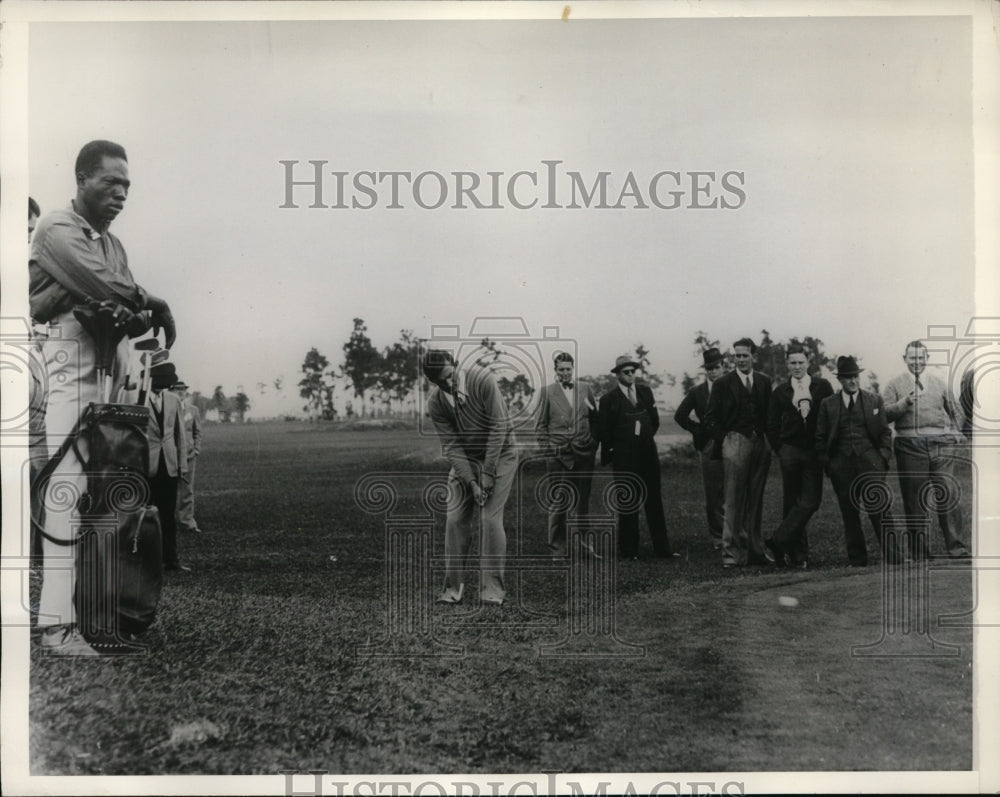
[853, 443]
[567, 415]
[628, 420]
[477, 437]
[711, 469]
[167, 457]
[737, 420]
[791, 430]
[192, 437]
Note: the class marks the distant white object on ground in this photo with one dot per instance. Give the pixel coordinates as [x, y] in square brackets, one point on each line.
[788, 600]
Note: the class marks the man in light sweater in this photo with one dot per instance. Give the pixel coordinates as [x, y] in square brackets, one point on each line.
[926, 418]
[477, 436]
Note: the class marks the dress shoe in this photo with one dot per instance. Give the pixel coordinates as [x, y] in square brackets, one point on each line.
[195, 530]
[65, 640]
[177, 568]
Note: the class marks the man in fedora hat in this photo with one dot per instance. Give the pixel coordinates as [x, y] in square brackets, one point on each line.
[566, 429]
[628, 420]
[167, 457]
[696, 401]
[791, 430]
[737, 420]
[927, 419]
[192, 437]
[853, 443]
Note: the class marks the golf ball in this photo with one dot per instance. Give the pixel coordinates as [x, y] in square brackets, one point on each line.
[788, 600]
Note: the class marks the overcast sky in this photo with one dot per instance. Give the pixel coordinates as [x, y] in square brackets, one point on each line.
[853, 136]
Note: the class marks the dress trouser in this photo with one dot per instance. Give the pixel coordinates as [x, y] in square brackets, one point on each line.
[645, 465]
[462, 528]
[870, 494]
[713, 480]
[926, 468]
[185, 498]
[569, 489]
[71, 367]
[163, 491]
[802, 492]
[745, 463]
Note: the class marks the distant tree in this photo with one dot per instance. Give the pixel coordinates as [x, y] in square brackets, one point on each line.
[278, 384]
[261, 388]
[221, 404]
[362, 362]
[202, 402]
[400, 368]
[314, 383]
[516, 392]
[241, 403]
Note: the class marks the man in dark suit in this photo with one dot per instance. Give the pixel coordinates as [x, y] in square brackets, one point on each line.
[711, 469]
[791, 430]
[167, 457]
[628, 420]
[567, 417]
[853, 442]
[737, 419]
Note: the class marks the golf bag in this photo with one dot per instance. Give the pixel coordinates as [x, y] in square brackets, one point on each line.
[119, 561]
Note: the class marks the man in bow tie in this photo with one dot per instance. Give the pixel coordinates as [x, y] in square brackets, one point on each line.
[791, 430]
[737, 420]
[567, 419]
[628, 420]
[477, 437]
[853, 442]
[926, 418]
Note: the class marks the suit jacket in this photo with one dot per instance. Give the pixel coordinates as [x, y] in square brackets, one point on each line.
[784, 421]
[696, 400]
[567, 422]
[828, 425]
[167, 438]
[724, 405]
[192, 430]
[620, 445]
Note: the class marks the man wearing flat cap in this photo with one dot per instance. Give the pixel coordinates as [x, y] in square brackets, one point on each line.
[628, 420]
[737, 420]
[477, 437]
[696, 401]
[167, 457]
[853, 442]
[791, 430]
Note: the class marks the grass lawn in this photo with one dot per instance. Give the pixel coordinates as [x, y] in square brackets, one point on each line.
[257, 661]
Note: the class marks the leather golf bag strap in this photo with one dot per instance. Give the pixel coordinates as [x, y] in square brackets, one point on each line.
[117, 461]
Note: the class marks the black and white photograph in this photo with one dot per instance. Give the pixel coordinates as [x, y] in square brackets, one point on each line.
[499, 398]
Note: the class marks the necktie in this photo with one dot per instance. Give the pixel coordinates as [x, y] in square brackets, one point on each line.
[850, 404]
[746, 381]
[567, 385]
[916, 381]
[631, 394]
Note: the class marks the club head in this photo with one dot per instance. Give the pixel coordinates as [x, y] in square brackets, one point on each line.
[146, 344]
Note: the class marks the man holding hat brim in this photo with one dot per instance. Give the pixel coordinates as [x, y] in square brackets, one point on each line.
[167, 455]
[192, 437]
[711, 469]
[853, 442]
[791, 431]
[737, 419]
[628, 420]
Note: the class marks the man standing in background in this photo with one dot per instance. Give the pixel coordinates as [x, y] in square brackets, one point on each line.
[628, 420]
[926, 417]
[167, 457]
[711, 469]
[567, 414]
[791, 430]
[737, 420]
[191, 419]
